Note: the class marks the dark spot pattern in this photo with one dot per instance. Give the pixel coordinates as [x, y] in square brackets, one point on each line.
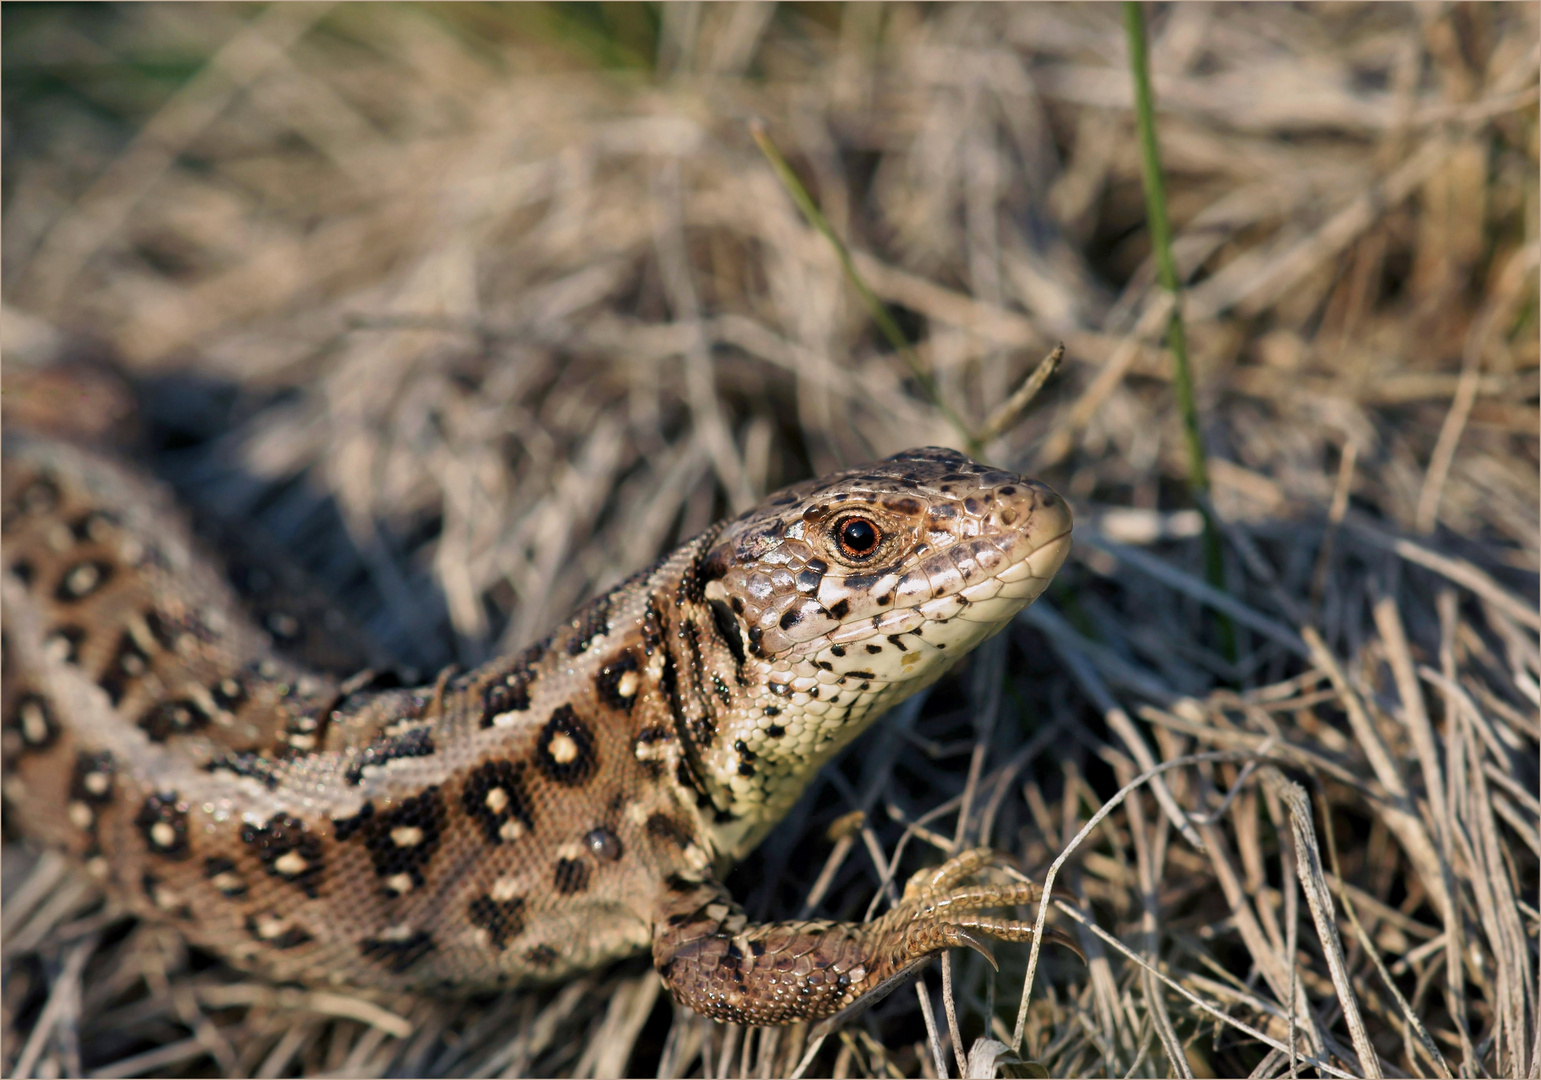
[398, 955]
[288, 850]
[34, 722]
[223, 875]
[645, 757]
[170, 903]
[502, 919]
[592, 622]
[570, 876]
[541, 956]
[169, 719]
[270, 928]
[724, 693]
[65, 643]
[403, 841]
[129, 662]
[417, 742]
[163, 631]
[508, 694]
[93, 778]
[305, 730]
[229, 693]
[565, 750]
[162, 821]
[652, 626]
[608, 682]
[346, 828]
[25, 572]
[494, 795]
[839, 610]
[94, 525]
[81, 580]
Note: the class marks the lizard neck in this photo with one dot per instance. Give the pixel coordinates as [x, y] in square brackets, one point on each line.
[751, 732]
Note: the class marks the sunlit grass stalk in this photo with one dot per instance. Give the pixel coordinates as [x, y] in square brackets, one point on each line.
[875, 307]
[1166, 276]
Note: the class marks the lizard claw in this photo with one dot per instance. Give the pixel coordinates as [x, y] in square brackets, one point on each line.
[1059, 937]
[975, 942]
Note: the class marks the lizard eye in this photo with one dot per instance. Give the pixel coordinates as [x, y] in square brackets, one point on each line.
[858, 537]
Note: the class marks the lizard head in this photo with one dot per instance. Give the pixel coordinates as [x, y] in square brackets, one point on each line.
[851, 592]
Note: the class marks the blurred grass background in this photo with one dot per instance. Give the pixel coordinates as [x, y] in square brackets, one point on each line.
[476, 308]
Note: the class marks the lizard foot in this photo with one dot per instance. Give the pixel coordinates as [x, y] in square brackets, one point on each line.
[717, 963]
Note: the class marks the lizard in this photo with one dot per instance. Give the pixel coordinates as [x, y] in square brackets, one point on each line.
[541, 814]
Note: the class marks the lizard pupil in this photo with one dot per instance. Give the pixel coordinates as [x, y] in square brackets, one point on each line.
[858, 537]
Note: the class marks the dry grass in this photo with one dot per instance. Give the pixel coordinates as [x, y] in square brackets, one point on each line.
[476, 331]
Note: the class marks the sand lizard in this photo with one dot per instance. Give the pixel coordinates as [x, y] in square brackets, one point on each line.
[539, 815]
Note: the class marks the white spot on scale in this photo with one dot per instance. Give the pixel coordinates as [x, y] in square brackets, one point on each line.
[162, 834]
[291, 863]
[406, 836]
[80, 815]
[227, 882]
[82, 579]
[57, 648]
[511, 830]
[563, 749]
[271, 926]
[570, 851]
[34, 724]
[497, 800]
[399, 932]
[400, 884]
[504, 889]
[627, 686]
[505, 719]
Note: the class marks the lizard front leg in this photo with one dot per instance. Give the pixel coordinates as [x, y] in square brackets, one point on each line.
[718, 963]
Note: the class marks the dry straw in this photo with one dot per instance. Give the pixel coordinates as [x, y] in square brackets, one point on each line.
[477, 309]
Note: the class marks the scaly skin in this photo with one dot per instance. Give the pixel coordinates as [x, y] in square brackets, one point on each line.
[538, 816]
